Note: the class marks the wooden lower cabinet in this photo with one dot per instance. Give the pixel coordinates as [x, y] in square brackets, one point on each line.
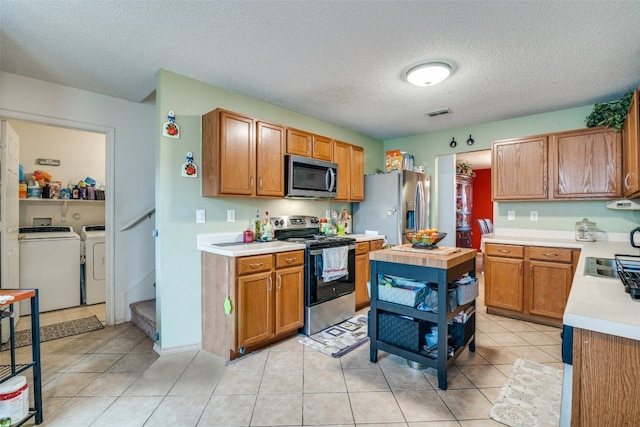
[363, 271]
[529, 282]
[606, 374]
[267, 299]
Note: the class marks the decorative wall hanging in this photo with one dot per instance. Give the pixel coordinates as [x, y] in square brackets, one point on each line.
[189, 169]
[453, 142]
[470, 141]
[170, 129]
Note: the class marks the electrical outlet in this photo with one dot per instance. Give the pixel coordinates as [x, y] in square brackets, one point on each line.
[533, 215]
[231, 215]
[511, 215]
[200, 216]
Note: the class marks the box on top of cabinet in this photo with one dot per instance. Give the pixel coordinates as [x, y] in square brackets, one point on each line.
[393, 160]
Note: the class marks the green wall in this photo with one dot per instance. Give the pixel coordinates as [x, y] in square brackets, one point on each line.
[561, 215]
[178, 303]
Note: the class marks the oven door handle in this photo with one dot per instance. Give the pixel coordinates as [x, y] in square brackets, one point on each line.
[319, 251]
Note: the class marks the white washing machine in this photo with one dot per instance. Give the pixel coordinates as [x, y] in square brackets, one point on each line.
[94, 268]
[50, 261]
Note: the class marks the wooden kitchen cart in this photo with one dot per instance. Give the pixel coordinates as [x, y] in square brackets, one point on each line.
[9, 371]
[426, 267]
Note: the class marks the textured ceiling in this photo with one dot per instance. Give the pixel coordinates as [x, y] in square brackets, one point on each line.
[339, 61]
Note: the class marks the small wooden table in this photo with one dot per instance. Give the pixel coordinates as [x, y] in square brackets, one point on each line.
[9, 371]
[427, 267]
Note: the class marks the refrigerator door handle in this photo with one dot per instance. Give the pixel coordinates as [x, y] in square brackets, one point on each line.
[419, 207]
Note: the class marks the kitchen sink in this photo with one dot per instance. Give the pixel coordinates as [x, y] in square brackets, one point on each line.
[600, 267]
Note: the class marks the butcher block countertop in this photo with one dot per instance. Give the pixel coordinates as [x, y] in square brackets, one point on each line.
[426, 258]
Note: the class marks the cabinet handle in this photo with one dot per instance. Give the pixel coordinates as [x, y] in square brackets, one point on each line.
[279, 285]
[550, 255]
[626, 181]
[256, 265]
[260, 183]
[504, 251]
[251, 184]
[270, 282]
[290, 260]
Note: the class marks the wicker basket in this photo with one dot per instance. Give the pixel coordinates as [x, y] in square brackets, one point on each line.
[399, 293]
[402, 331]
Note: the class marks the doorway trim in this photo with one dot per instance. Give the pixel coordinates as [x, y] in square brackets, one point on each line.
[109, 133]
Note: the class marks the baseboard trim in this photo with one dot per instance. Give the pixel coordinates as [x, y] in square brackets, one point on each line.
[179, 349]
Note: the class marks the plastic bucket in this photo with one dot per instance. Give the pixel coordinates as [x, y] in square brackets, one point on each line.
[14, 399]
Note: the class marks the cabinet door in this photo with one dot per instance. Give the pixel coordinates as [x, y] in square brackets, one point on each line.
[342, 156]
[357, 174]
[631, 142]
[586, 164]
[237, 154]
[547, 288]
[289, 299]
[362, 277]
[299, 142]
[270, 143]
[504, 283]
[519, 170]
[375, 245]
[322, 148]
[255, 308]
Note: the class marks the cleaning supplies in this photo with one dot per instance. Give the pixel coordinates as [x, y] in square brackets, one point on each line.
[33, 190]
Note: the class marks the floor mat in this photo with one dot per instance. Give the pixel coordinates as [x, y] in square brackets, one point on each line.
[530, 397]
[341, 338]
[57, 330]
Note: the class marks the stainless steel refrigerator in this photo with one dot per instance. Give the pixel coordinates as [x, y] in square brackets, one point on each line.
[394, 203]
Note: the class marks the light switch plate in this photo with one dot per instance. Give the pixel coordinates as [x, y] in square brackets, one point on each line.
[231, 215]
[511, 215]
[533, 215]
[200, 216]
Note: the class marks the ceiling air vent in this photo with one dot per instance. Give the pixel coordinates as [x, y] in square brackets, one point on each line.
[438, 112]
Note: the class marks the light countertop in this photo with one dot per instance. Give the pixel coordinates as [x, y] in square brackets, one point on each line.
[232, 245]
[595, 303]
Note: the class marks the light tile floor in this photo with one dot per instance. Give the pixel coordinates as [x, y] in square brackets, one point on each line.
[112, 377]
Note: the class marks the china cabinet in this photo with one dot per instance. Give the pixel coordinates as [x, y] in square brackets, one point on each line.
[464, 208]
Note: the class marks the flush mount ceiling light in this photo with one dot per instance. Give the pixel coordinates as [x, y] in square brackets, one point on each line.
[429, 73]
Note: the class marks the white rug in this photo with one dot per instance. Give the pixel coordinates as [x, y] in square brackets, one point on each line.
[530, 397]
[341, 338]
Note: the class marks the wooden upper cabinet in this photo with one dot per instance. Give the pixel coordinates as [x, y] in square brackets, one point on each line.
[299, 142]
[631, 144]
[270, 147]
[228, 154]
[357, 173]
[306, 144]
[350, 160]
[586, 164]
[322, 148]
[519, 170]
[342, 156]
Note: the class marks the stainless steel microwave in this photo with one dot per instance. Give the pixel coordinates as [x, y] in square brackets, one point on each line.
[310, 178]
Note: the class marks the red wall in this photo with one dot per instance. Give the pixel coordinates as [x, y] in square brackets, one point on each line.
[482, 204]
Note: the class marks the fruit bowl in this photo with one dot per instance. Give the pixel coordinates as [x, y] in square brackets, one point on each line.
[428, 241]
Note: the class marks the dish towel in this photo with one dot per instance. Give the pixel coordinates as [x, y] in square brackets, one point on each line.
[334, 263]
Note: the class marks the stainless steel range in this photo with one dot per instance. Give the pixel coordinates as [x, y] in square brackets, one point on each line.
[329, 273]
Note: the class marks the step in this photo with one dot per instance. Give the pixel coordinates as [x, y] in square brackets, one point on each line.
[143, 315]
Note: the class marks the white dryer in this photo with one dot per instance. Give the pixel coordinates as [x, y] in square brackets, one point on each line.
[95, 269]
[50, 262]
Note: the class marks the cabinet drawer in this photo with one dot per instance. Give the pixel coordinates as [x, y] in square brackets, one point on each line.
[511, 251]
[541, 253]
[375, 245]
[289, 259]
[254, 264]
[362, 248]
